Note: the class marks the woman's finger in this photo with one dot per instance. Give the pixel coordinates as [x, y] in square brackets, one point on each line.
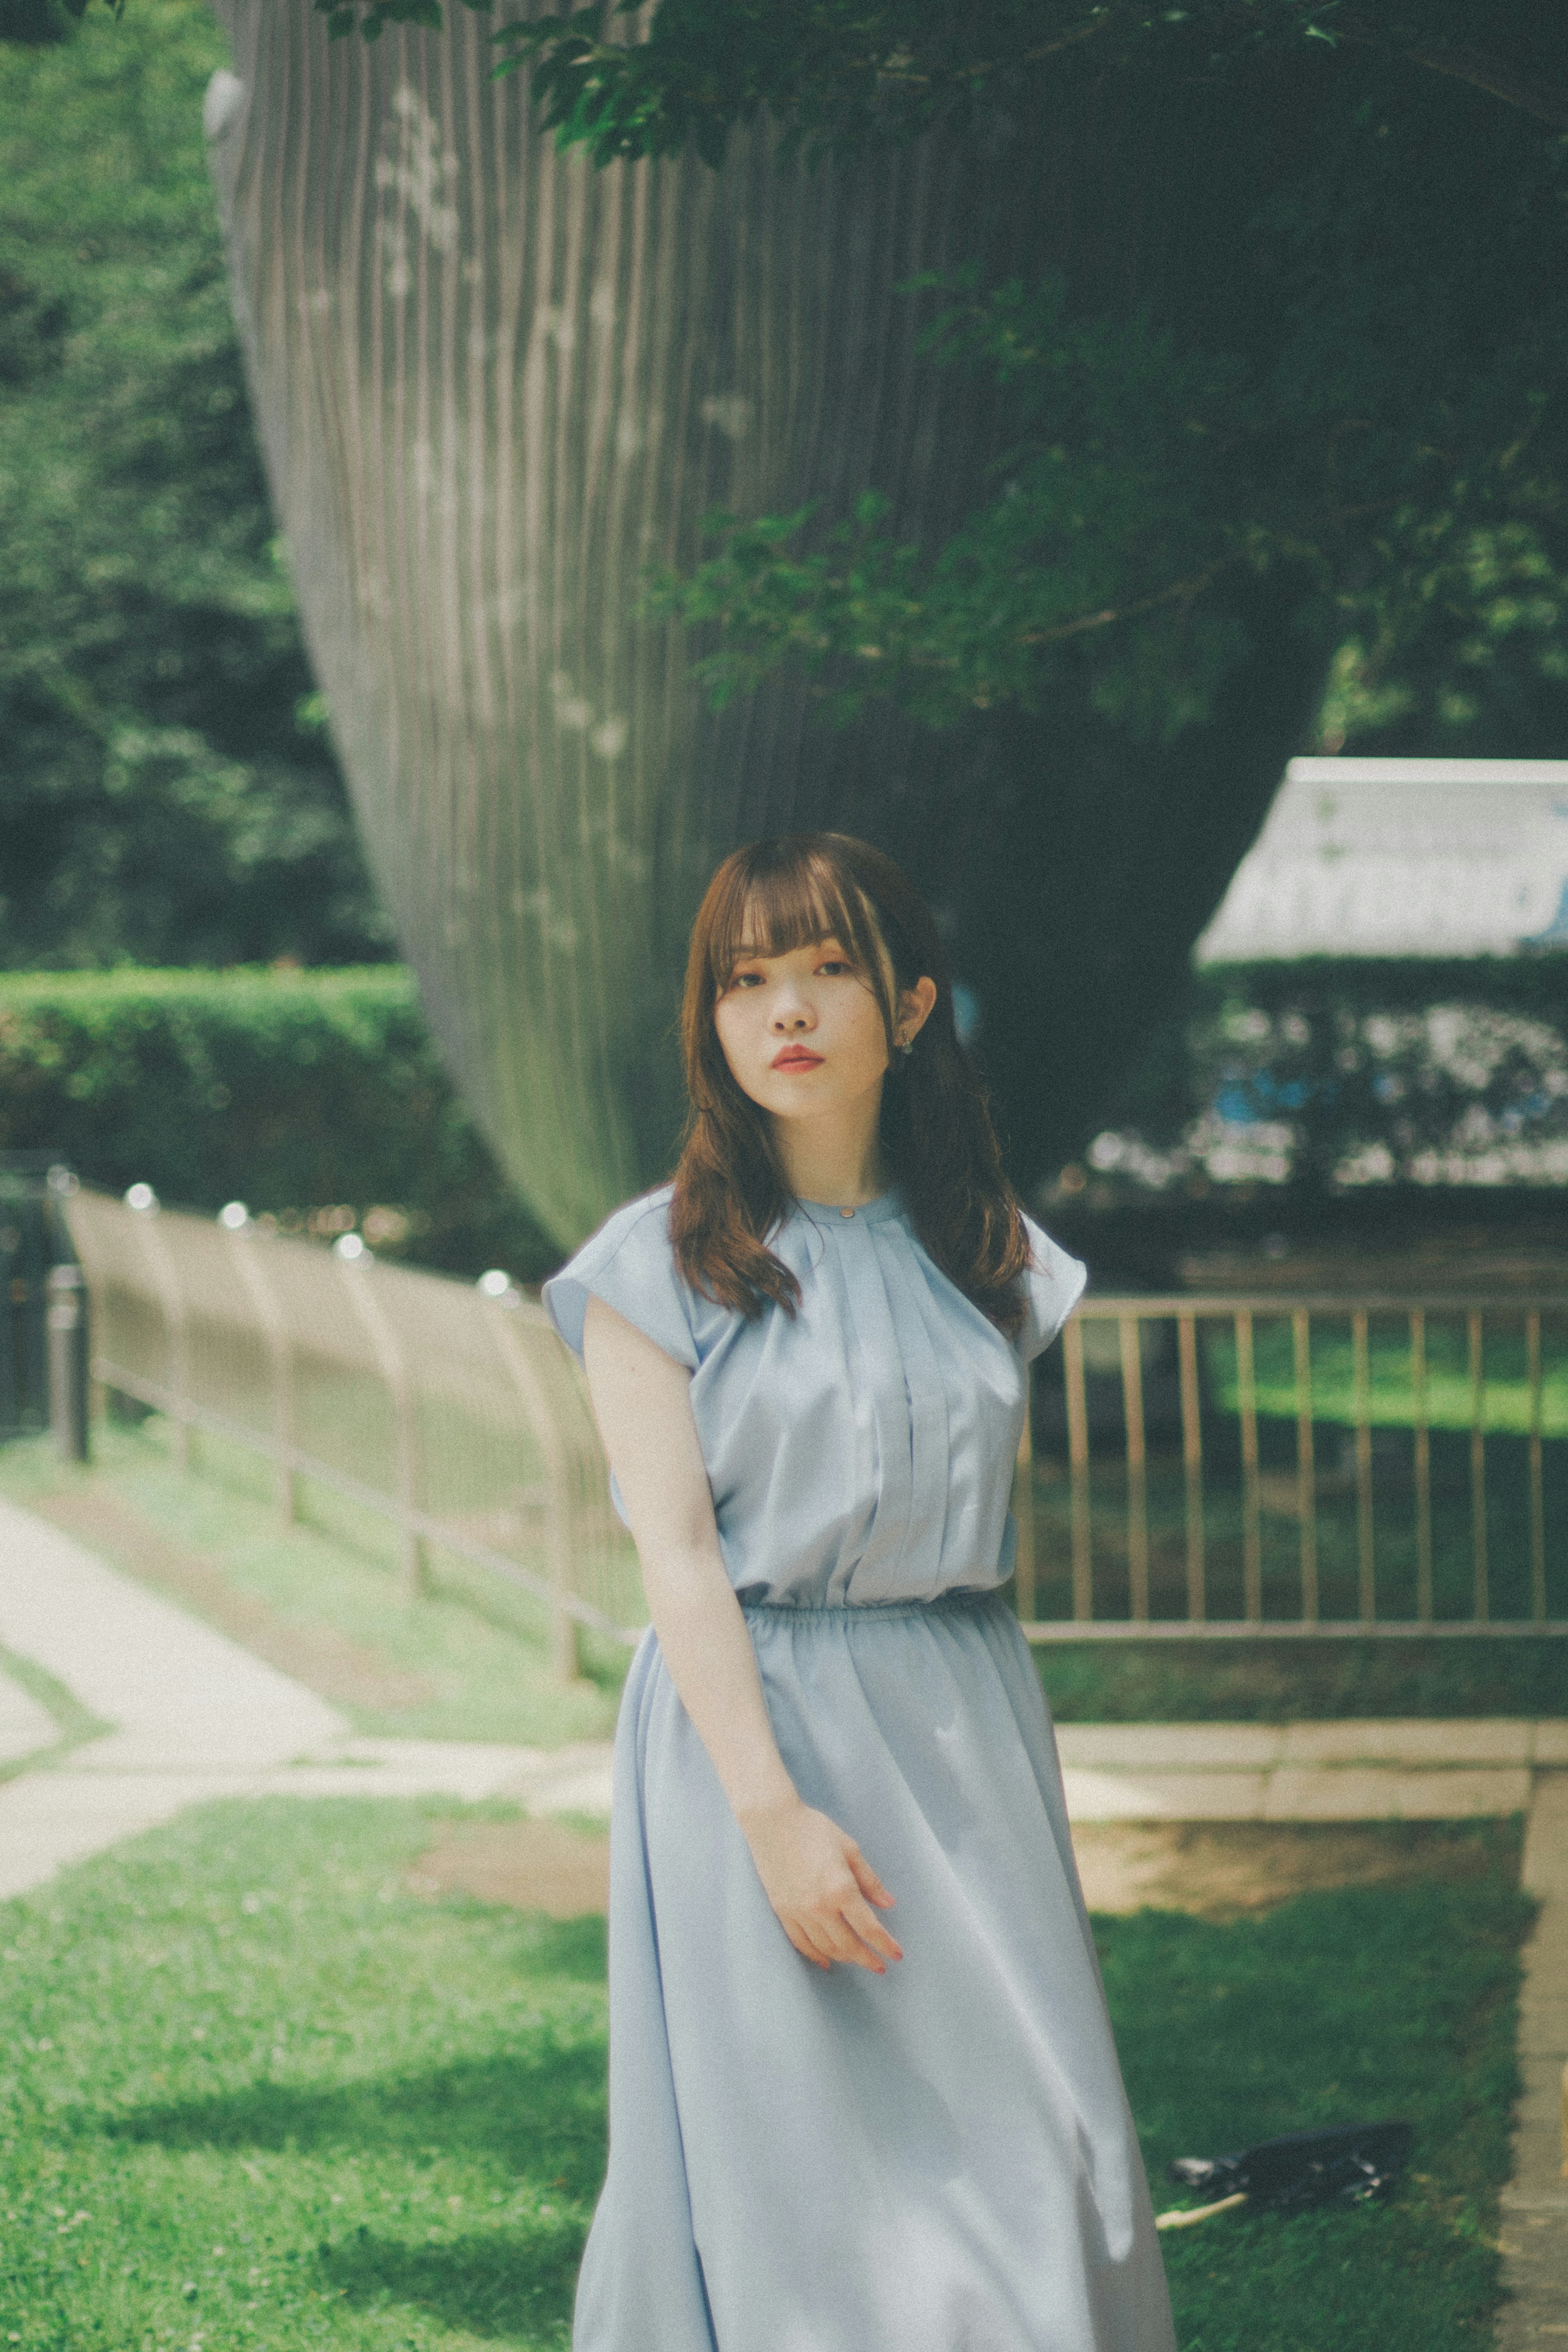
[866, 1879]
[863, 1922]
[849, 1945]
[826, 1928]
[805, 1943]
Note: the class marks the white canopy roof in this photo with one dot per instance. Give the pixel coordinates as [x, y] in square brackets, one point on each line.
[1402, 857]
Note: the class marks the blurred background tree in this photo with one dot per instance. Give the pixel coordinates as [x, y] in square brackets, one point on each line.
[1359, 387]
[167, 792]
[1357, 380]
[1280, 455]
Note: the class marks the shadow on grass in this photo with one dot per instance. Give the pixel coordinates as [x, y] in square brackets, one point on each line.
[1264, 1681]
[550, 1948]
[538, 2112]
[501, 2283]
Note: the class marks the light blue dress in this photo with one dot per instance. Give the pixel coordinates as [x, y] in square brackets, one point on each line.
[936, 2160]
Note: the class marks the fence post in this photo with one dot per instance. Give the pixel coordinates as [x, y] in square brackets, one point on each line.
[269, 1315]
[1078, 1461]
[1129, 1333]
[10, 1388]
[357, 1279]
[166, 1283]
[1023, 1509]
[565, 1655]
[67, 1314]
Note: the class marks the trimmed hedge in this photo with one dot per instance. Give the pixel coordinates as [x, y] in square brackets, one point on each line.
[292, 1091]
[312, 1091]
[1348, 1057]
[1339, 1055]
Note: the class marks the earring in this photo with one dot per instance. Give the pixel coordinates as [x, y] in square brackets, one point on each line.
[906, 1046]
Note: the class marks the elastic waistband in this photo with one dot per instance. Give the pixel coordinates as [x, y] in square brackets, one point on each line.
[962, 1602]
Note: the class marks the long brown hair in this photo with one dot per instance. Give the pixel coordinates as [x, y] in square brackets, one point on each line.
[937, 1142]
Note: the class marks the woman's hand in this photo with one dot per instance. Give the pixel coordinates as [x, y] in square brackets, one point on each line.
[820, 1886]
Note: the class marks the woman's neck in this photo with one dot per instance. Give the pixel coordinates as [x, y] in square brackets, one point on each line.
[836, 1163]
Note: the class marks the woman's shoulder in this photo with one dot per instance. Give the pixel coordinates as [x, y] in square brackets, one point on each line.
[1053, 1285]
[642, 1225]
[630, 1263]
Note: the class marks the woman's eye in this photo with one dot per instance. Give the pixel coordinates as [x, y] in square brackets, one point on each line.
[833, 964]
[746, 979]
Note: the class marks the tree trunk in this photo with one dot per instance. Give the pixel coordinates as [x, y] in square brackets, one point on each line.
[493, 384]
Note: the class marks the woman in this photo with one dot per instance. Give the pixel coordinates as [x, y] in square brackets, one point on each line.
[808, 1357]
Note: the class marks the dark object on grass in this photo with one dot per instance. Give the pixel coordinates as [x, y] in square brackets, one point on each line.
[1342, 2166]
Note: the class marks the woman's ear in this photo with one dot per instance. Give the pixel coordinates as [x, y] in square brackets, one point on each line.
[915, 1010]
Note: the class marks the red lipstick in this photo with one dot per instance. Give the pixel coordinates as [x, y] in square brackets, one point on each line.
[797, 1057]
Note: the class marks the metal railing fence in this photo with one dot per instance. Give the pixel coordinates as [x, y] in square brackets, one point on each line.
[1279, 1464]
[1201, 1466]
[457, 1417]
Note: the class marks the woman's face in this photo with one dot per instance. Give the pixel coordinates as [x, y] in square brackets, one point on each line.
[802, 1031]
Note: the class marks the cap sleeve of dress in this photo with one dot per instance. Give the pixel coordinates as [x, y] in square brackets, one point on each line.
[629, 1263]
[1052, 1288]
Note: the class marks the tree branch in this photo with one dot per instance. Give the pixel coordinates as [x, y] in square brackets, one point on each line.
[1187, 591]
[1547, 101]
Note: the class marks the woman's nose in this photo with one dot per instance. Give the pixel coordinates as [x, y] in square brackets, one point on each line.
[790, 1013]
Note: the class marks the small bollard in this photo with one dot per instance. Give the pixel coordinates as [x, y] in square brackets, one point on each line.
[67, 1362]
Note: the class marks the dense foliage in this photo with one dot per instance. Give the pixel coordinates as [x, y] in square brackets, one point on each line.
[847, 71]
[291, 1091]
[1365, 394]
[1362, 398]
[166, 789]
[1336, 1073]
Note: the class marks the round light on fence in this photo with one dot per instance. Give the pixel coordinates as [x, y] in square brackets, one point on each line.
[142, 1197]
[495, 1284]
[350, 1247]
[233, 1216]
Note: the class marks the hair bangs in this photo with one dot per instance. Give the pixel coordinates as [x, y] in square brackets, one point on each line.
[789, 899]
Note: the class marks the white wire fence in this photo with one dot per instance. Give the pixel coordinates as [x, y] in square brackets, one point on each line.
[449, 1411]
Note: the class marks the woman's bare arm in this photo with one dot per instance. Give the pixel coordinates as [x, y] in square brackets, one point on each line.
[815, 1876]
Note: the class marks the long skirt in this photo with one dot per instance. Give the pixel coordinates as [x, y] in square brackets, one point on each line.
[940, 2159]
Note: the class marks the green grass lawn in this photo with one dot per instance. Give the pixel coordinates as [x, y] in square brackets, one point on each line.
[254, 2093]
[73, 1722]
[1391, 1397]
[1359, 2004]
[467, 1660]
[1516, 1510]
[1286, 1682]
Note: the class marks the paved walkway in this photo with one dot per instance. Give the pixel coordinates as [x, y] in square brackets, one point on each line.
[24, 1725]
[1357, 1771]
[1535, 2202]
[193, 1716]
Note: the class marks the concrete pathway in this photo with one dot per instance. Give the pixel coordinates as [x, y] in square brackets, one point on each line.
[1401, 1769]
[194, 1716]
[26, 1728]
[1535, 2203]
